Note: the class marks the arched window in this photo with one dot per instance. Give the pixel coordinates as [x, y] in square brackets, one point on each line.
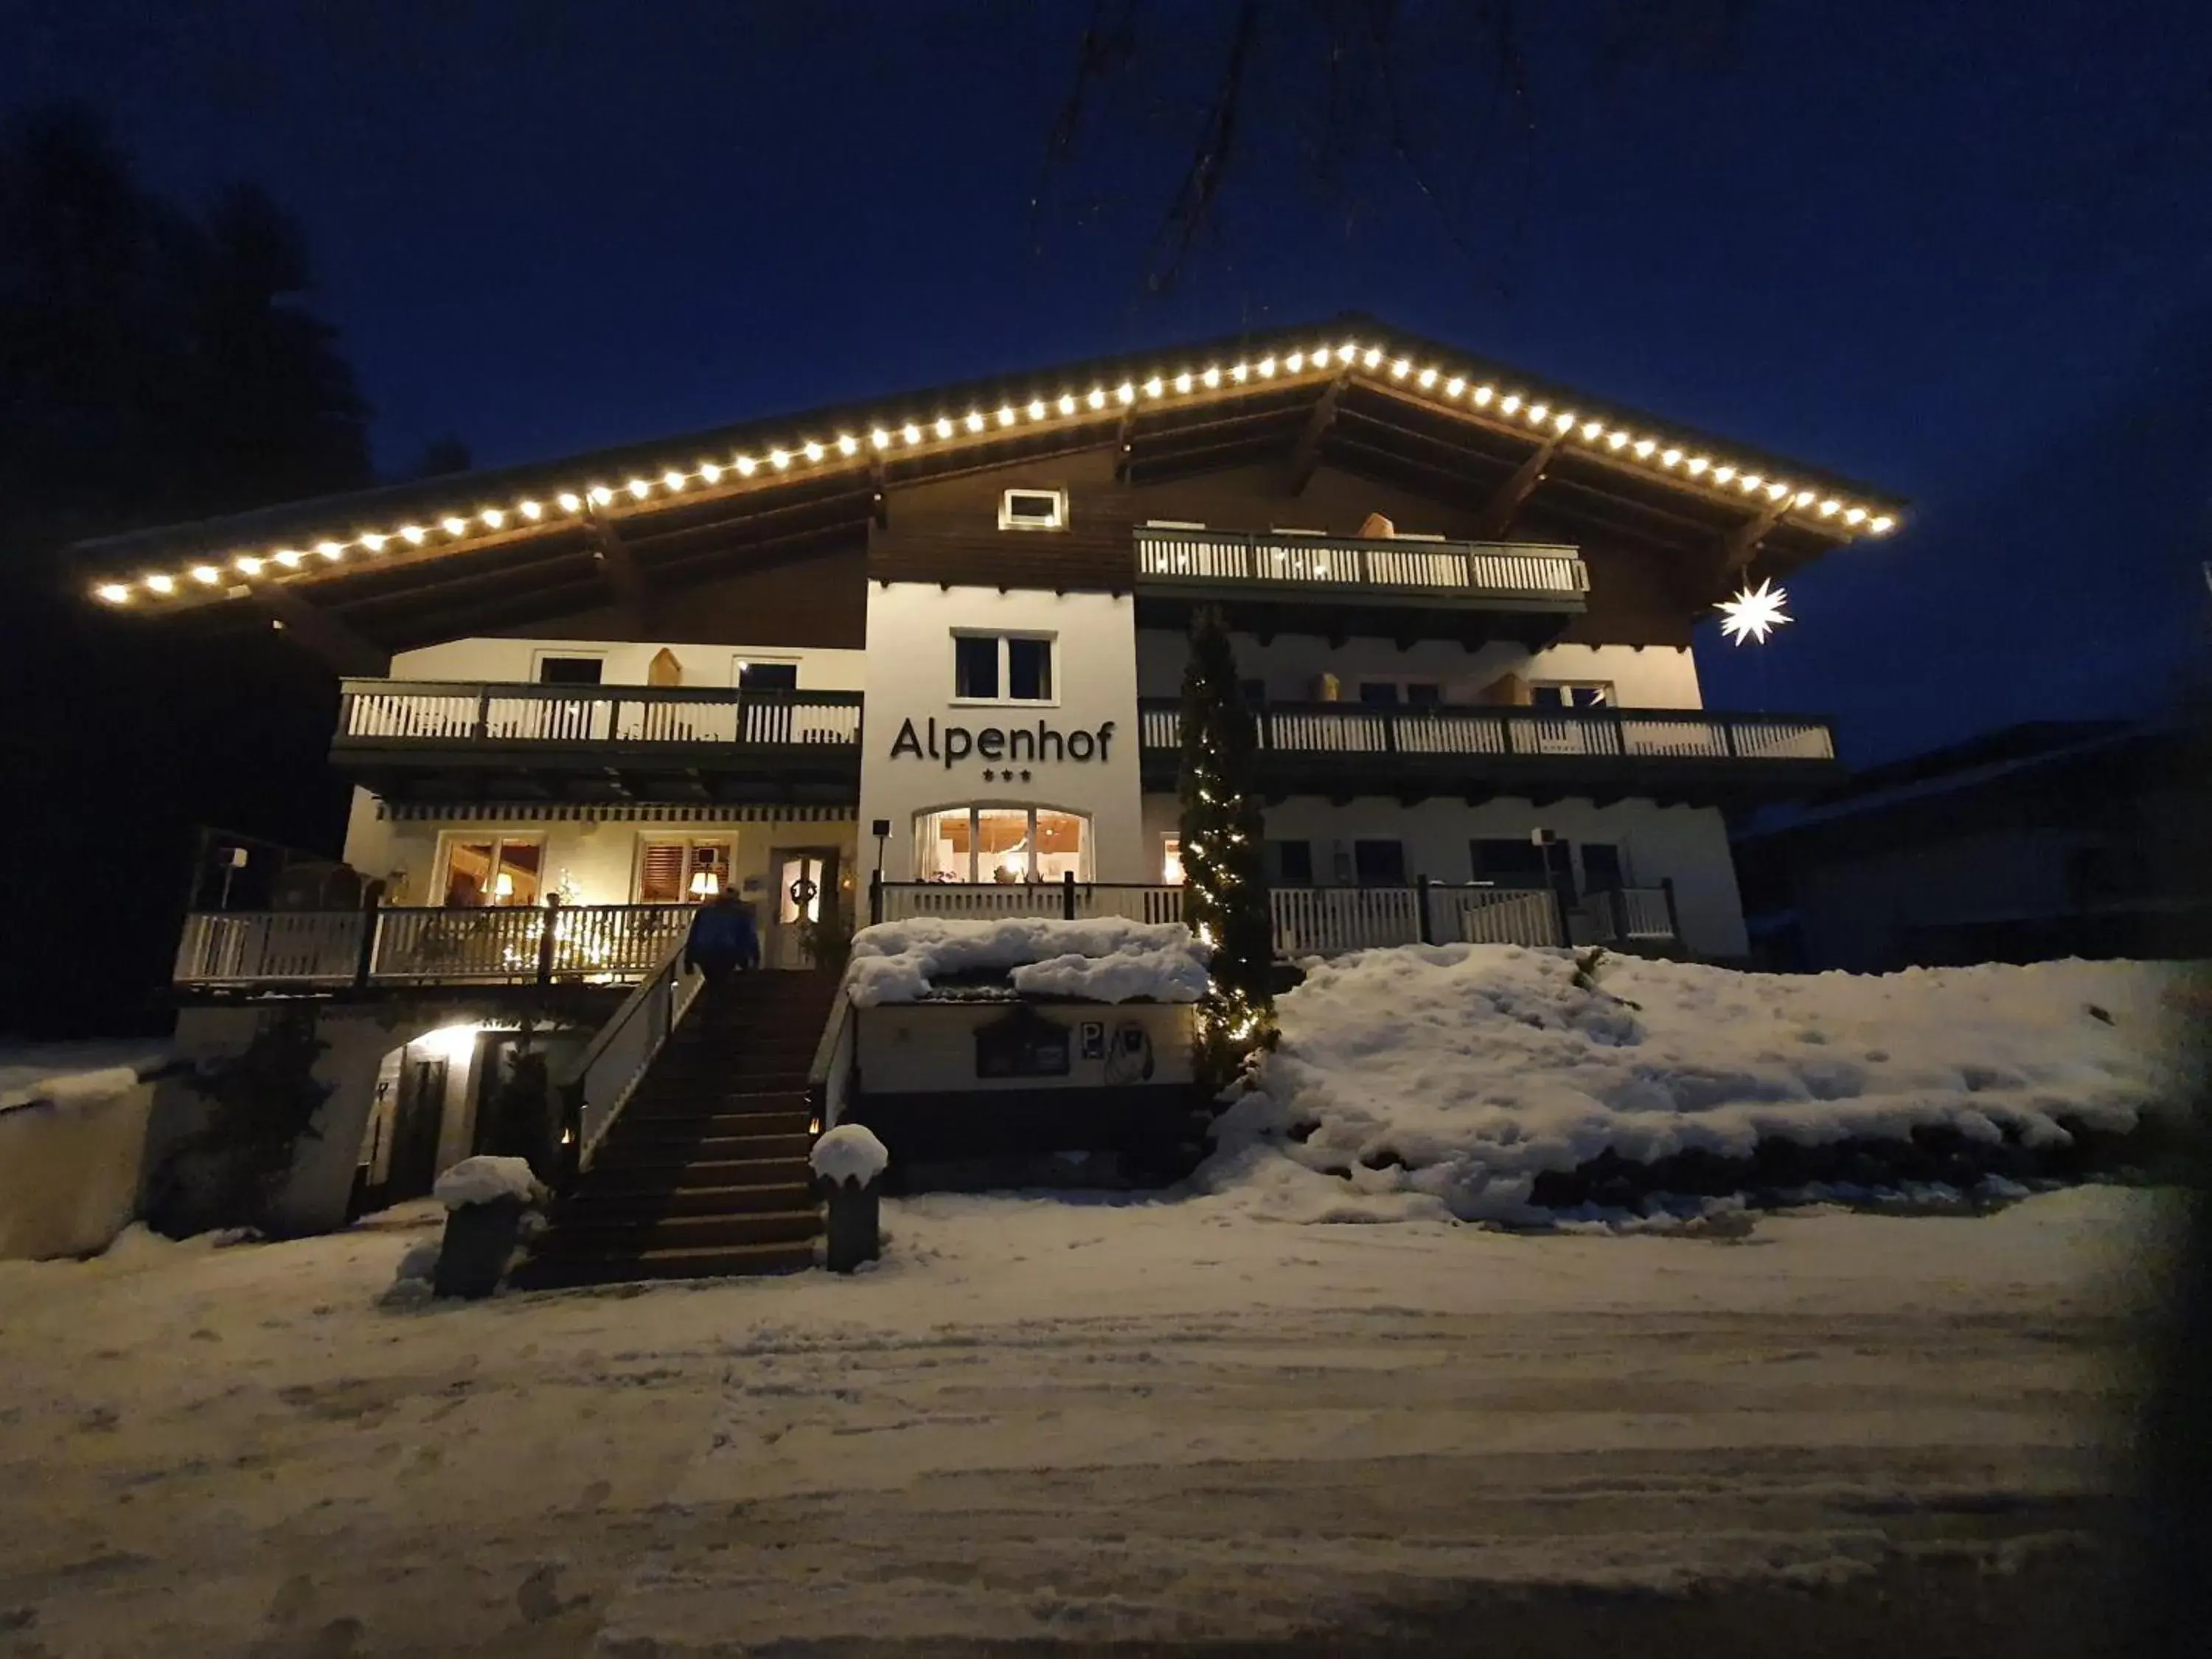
[1001, 844]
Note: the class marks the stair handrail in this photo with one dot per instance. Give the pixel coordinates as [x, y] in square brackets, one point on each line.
[623, 1050]
[828, 1074]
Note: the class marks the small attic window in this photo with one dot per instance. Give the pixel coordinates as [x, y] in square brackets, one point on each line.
[1033, 509]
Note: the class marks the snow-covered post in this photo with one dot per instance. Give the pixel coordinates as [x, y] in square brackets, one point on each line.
[485, 1199]
[850, 1163]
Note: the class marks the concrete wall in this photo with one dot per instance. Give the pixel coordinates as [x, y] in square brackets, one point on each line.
[1687, 844]
[930, 1047]
[1649, 676]
[910, 632]
[515, 661]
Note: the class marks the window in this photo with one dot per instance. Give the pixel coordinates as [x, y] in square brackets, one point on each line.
[1510, 862]
[1562, 694]
[1379, 863]
[570, 671]
[683, 871]
[492, 870]
[1601, 870]
[1002, 668]
[1003, 844]
[1033, 509]
[1172, 860]
[1289, 863]
[1388, 693]
[768, 677]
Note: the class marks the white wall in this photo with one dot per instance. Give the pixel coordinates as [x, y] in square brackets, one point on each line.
[515, 661]
[1649, 676]
[1688, 844]
[928, 1049]
[910, 677]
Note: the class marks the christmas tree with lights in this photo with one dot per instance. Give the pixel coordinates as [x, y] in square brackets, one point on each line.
[1225, 898]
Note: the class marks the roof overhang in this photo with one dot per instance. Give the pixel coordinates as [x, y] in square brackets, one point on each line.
[1350, 393]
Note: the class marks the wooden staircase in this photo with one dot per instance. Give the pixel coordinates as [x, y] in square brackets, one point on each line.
[705, 1172]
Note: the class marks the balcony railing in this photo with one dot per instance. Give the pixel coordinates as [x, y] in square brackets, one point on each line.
[503, 944]
[1274, 564]
[402, 716]
[1381, 735]
[1310, 921]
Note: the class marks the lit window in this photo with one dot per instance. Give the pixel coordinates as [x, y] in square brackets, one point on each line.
[1033, 509]
[1565, 694]
[500, 870]
[1002, 668]
[1171, 860]
[1001, 844]
[683, 871]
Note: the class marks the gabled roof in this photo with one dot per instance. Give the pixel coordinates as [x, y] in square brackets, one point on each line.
[1349, 393]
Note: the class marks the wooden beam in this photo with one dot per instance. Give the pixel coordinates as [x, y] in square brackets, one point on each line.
[1497, 514]
[879, 486]
[621, 570]
[1734, 552]
[334, 641]
[1125, 433]
[1305, 456]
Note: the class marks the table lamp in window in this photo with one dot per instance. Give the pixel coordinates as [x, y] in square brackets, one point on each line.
[705, 884]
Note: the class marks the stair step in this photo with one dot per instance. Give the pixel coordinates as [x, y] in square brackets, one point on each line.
[727, 1261]
[596, 1235]
[589, 1205]
[633, 1131]
[685, 1175]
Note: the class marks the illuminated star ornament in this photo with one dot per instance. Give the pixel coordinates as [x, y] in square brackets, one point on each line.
[1753, 613]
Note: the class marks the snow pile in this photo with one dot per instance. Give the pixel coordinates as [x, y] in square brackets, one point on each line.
[1106, 960]
[484, 1180]
[72, 1089]
[1434, 1081]
[850, 1152]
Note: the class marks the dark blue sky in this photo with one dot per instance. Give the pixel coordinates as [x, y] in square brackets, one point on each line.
[1959, 251]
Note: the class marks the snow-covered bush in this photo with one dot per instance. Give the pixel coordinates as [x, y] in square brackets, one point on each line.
[1486, 1081]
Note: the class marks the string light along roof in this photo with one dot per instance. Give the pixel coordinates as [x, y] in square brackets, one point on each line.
[378, 527]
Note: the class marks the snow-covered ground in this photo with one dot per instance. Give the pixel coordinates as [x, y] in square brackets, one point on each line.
[1046, 1419]
[1434, 1080]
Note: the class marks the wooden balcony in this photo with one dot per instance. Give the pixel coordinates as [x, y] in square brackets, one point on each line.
[416, 739]
[1343, 750]
[1268, 582]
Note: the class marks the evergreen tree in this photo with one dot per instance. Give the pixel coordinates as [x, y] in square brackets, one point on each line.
[1225, 879]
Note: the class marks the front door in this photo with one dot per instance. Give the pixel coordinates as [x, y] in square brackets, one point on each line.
[805, 890]
[416, 1125]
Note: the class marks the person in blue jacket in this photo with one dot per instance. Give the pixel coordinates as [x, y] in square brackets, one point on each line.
[723, 939]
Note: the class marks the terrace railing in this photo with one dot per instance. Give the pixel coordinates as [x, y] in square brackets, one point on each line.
[499, 944]
[1307, 920]
[1334, 566]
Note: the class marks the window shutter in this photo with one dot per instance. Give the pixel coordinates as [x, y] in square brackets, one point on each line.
[661, 873]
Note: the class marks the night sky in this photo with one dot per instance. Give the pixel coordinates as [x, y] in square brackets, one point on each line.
[1958, 250]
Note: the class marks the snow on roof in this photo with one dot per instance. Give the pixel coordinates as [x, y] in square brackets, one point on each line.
[1107, 960]
[1445, 1079]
